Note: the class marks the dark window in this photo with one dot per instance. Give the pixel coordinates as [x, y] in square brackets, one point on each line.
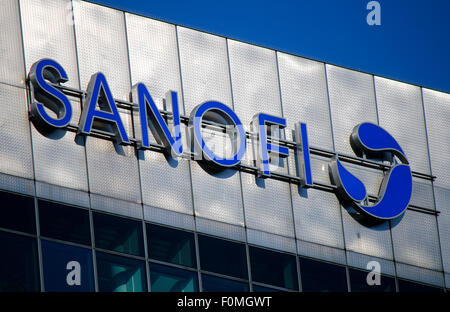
[166, 278]
[17, 213]
[273, 268]
[221, 256]
[358, 282]
[64, 222]
[257, 288]
[118, 234]
[213, 284]
[324, 277]
[408, 286]
[120, 274]
[67, 268]
[170, 245]
[18, 263]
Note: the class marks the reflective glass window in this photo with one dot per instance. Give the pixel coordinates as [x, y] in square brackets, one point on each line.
[67, 268]
[19, 270]
[213, 284]
[408, 286]
[164, 278]
[120, 274]
[221, 256]
[273, 268]
[118, 234]
[64, 222]
[17, 213]
[322, 277]
[258, 288]
[358, 282]
[170, 245]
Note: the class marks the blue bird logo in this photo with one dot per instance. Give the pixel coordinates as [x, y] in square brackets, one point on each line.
[396, 188]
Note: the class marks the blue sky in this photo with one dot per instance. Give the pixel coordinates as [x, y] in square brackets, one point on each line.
[412, 44]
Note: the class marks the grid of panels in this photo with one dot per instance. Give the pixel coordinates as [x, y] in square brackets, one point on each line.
[101, 247]
[134, 199]
[11, 56]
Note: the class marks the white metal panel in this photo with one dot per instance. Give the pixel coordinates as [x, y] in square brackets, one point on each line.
[48, 32]
[370, 240]
[400, 112]
[273, 241]
[442, 196]
[16, 184]
[11, 52]
[319, 169]
[15, 141]
[254, 77]
[102, 46]
[352, 101]
[217, 197]
[60, 160]
[422, 194]
[113, 170]
[317, 217]
[220, 229]
[167, 217]
[305, 99]
[166, 183]
[437, 114]
[153, 54]
[255, 80]
[117, 206]
[415, 240]
[204, 68]
[267, 205]
[360, 261]
[447, 281]
[62, 194]
[420, 274]
[321, 252]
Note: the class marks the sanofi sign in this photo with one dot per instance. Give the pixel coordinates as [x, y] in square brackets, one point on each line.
[51, 110]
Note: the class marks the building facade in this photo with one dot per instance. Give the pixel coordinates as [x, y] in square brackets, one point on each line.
[80, 212]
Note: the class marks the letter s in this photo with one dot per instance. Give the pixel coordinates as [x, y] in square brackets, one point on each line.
[46, 95]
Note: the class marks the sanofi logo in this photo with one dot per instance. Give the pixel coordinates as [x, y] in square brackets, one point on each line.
[50, 109]
[396, 188]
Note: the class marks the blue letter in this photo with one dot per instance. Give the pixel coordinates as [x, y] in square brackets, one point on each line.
[98, 89]
[157, 124]
[51, 97]
[227, 114]
[304, 161]
[259, 123]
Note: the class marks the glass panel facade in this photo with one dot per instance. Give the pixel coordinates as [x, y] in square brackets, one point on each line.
[273, 268]
[408, 286]
[17, 213]
[67, 268]
[165, 278]
[223, 257]
[358, 282]
[322, 277]
[257, 288]
[120, 274]
[213, 283]
[118, 234]
[170, 245]
[19, 270]
[64, 222]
